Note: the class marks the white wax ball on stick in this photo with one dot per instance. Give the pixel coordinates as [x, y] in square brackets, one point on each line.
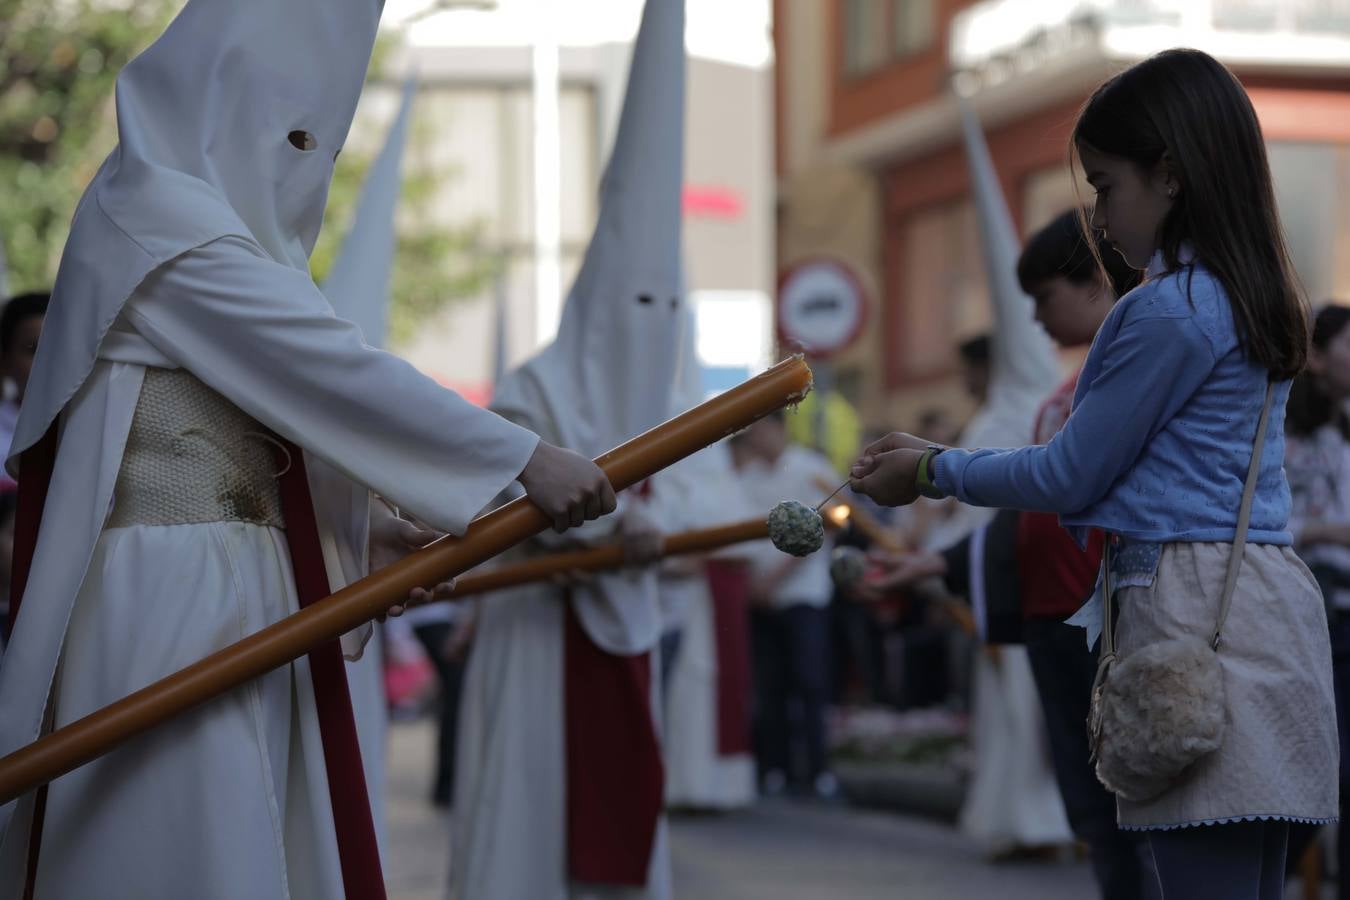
[795, 528]
[848, 565]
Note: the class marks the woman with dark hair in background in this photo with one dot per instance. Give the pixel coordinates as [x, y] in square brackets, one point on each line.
[1317, 464]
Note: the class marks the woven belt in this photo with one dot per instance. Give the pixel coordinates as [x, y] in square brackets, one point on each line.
[193, 457]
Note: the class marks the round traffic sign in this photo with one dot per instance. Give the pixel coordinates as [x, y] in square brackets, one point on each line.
[821, 306]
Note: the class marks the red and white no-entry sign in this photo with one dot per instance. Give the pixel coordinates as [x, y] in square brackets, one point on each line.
[821, 306]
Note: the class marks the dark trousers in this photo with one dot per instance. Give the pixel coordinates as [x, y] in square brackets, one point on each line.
[858, 653]
[670, 652]
[1063, 669]
[1340, 668]
[433, 637]
[792, 673]
[1237, 861]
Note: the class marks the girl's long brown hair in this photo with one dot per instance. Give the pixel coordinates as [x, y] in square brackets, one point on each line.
[1185, 109]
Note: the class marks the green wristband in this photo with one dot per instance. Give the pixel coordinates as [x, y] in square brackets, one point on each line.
[923, 478]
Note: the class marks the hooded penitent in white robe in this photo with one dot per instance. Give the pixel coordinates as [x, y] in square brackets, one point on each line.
[357, 287]
[187, 265]
[547, 805]
[1013, 799]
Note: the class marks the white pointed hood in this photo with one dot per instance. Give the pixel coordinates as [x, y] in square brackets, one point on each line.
[205, 118]
[607, 376]
[1023, 354]
[687, 390]
[358, 283]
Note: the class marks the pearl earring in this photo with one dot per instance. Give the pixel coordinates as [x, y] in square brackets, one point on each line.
[1171, 192]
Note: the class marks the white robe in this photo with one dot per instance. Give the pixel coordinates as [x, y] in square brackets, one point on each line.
[509, 828]
[697, 775]
[1013, 797]
[701, 492]
[230, 800]
[370, 708]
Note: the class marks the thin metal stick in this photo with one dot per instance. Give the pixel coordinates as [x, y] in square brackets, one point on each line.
[822, 503]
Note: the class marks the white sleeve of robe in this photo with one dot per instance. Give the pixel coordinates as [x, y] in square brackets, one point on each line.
[264, 336]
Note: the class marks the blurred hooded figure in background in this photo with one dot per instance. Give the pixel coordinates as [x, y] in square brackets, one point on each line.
[559, 772]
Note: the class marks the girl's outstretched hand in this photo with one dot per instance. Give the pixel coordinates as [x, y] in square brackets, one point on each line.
[889, 478]
[887, 469]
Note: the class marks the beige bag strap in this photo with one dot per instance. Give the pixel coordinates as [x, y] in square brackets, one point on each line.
[1234, 559]
[1108, 651]
[1244, 517]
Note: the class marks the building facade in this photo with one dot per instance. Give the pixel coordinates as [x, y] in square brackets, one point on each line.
[871, 168]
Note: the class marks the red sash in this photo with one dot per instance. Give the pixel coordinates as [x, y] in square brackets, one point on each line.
[36, 466]
[615, 775]
[729, 582]
[357, 846]
[361, 875]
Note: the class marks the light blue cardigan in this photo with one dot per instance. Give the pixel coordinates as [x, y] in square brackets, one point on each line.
[1160, 438]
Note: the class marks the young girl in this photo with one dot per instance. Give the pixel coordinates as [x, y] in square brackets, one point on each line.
[1156, 453]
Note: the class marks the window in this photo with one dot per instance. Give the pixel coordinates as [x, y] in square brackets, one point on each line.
[1246, 15]
[1312, 190]
[878, 32]
[1332, 16]
[1322, 15]
[864, 36]
[913, 26]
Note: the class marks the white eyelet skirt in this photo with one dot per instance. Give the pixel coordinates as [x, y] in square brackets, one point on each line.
[1280, 755]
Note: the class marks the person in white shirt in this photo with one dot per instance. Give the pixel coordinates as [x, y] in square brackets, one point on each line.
[790, 599]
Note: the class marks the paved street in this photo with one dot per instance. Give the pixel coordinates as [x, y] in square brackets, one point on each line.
[791, 851]
[784, 850]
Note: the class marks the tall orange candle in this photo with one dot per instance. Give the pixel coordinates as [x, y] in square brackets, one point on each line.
[645, 455]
